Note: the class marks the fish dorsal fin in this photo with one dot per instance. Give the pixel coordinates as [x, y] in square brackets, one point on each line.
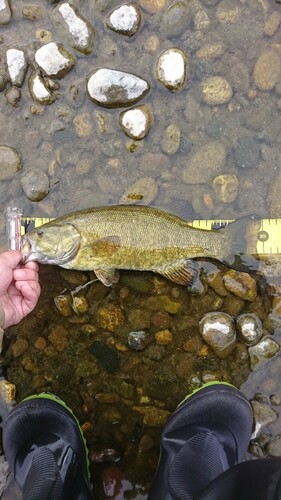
[182, 272]
[107, 276]
[105, 247]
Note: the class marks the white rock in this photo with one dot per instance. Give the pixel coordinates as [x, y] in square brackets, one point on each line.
[172, 68]
[79, 31]
[5, 12]
[136, 122]
[111, 88]
[38, 90]
[54, 59]
[17, 66]
[125, 19]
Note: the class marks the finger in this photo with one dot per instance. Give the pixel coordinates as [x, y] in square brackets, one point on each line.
[30, 292]
[11, 258]
[25, 275]
[31, 265]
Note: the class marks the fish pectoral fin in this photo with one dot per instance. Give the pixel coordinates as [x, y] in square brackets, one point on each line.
[105, 247]
[107, 276]
[182, 272]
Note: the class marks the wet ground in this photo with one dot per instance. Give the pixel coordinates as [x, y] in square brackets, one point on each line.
[204, 158]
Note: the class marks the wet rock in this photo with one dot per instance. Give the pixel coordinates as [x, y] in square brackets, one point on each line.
[240, 284]
[13, 96]
[136, 122]
[275, 399]
[201, 20]
[58, 337]
[142, 192]
[163, 302]
[64, 305]
[139, 284]
[153, 6]
[214, 279]
[87, 368]
[249, 328]
[7, 391]
[175, 20]
[35, 184]
[10, 162]
[267, 70]
[3, 78]
[172, 69]
[152, 416]
[83, 124]
[263, 416]
[216, 90]
[274, 447]
[39, 90]
[54, 60]
[110, 317]
[247, 152]
[146, 444]
[19, 347]
[44, 36]
[107, 357]
[272, 23]
[226, 187]
[5, 12]
[32, 12]
[77, 31]
[210, 51]
[161, 320]
[16, 66]
[155, 352]
[205, 164]
[171, 139]
[80, 305]
[218, 331]
[111, 88]
[263, 351]
[138, 341]
[40, 343]
[125, 20]
[124, 389]
[107, 397]
[228, 11]
[164, 337]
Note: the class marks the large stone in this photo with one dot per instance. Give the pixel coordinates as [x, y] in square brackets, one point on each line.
[205, 164]
[39, 90]
[5, 12]
[218, 331]
[79, 33]
[16, 65]
[113, 89]
[176, 19]
[54, 59]
[226, 187]
[249, 328]
[35, 184]
[172, 68]
[240, 284]
[10, 162]
[263, 351]
[267, 70]
[125, 20]
[136, 122]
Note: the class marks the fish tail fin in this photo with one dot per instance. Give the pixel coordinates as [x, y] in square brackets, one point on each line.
[243, 237]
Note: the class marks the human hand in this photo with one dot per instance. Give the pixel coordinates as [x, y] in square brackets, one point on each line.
[19, 287]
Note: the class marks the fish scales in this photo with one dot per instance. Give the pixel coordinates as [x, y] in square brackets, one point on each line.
[132, 237]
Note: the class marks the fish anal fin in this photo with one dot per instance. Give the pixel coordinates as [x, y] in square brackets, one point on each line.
[107, 276]
[105, 247]
[182, 272]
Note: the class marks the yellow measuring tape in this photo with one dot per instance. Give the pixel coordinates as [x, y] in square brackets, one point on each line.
[269, 236]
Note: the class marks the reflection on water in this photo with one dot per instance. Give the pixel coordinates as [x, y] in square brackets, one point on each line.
[213, 151]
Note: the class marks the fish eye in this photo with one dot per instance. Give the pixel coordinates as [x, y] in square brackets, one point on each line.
[40, 232]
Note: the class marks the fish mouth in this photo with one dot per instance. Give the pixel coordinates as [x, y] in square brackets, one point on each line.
[29, 253]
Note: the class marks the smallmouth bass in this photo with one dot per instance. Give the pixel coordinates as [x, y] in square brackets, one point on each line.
[135, 237]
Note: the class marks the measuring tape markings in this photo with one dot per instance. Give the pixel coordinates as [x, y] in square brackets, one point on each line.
[269, 236]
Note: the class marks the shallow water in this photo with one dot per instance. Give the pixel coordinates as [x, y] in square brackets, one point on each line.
[89, 161]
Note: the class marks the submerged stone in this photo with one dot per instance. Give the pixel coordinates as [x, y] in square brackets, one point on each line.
[107, 357]
[54, 59]
[216, 90]
[78, 31]
[172, 68]
[112, 89]
[35, 184]
[17, 66]
[10, 162]
[136, 122]
[125, 20]
[138, 341]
